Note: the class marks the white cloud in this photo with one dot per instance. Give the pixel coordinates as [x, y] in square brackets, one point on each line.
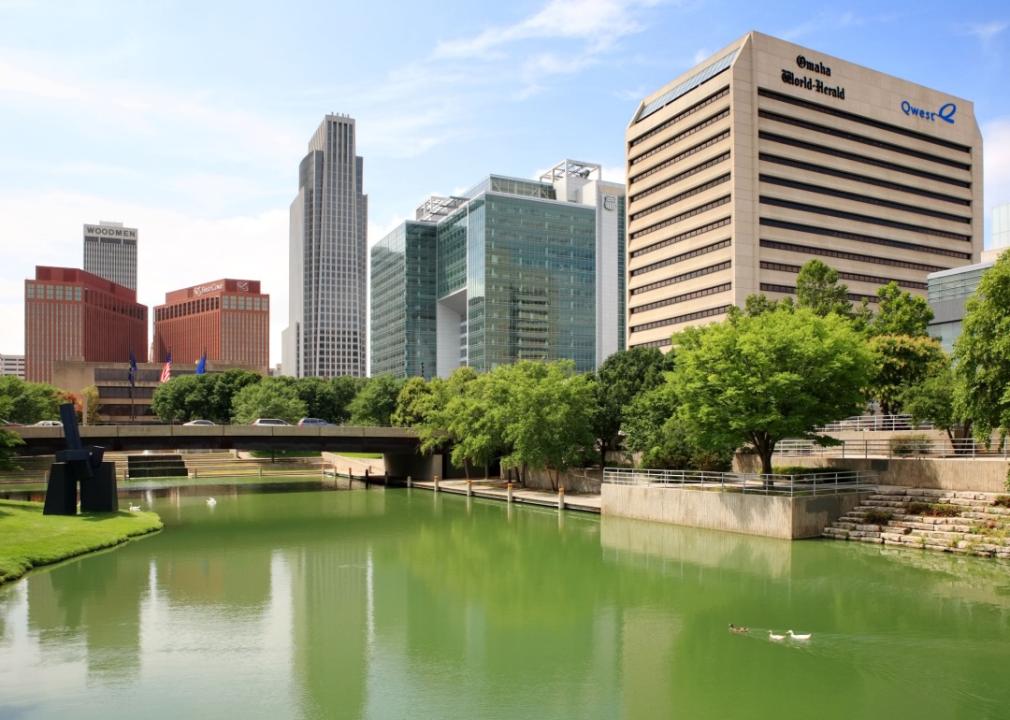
[996, 164]
[175, 250]
[985, 32]
[700, 54]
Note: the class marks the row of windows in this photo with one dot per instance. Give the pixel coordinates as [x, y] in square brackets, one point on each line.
[693, 150]
[837, 112]
[653, 343]
[697, 252]
[791, 290]
[684, 277]
[864, 179]
[686, 112]
[857, 197]
[858, 277]
[53, 292]
[681, 176]
[857, 217]
[843, 255]
[865, 159]
[696, 190]
[862, 139]
[709, 312]
[721, 222]
[724, 200]
[696, 128]
[859, 237]
[684, 297]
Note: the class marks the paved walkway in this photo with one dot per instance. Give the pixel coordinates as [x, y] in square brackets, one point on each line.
[496, 490]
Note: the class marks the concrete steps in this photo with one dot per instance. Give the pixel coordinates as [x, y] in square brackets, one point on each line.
[978, 527]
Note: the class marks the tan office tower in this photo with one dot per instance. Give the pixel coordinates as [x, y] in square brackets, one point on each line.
[770, 154]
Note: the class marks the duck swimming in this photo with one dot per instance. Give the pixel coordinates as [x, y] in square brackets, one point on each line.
[738, 629]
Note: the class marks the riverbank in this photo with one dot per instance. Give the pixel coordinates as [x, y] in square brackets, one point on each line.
[496, 490]
[29, 539]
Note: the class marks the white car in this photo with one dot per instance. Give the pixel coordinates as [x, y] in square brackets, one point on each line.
[49, 423]
[200, 423]
[270, 422]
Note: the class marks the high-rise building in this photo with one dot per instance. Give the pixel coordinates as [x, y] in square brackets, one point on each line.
[71, 314]
[769, 154]
[229, 320]
[110, 252]
[1001, 227]
[515, 269]
[12, 365]
[328, 265]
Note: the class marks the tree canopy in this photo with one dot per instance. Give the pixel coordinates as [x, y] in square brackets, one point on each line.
[25, 403]
[900, 313]
[269, 398]
[982, 352]
[375, 402]
[901, 361]
[818, 289]
[939, 398]
[761, 379]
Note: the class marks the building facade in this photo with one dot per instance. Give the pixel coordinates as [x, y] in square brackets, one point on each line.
[515, 269]
[227, 319]
[71, 314]
[770, 154]
[328, 265]
[110, 252]
[12, 365]
[949, 291]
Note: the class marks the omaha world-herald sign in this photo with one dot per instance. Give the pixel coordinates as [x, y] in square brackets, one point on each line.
[815, 84]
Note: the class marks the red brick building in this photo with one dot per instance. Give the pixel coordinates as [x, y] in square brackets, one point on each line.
[74, 315]
[229, 319]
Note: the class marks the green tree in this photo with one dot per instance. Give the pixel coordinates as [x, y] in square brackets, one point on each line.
[25, 403]
[375, 402]
[901, 361]
[321, 399]
[759, 380]
[476, 418]
[184, 398]
[224, 386]
[436, 425]
[89, 398]
[9, 443]
[272, 398]
[982, 352]
[818, 289]
[900, 313]
[548, 424]
[345, 388]
[759, 303]
[619, 379]
[939, 398]
[415, 402]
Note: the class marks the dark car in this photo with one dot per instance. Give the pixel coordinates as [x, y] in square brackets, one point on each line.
[311, 421]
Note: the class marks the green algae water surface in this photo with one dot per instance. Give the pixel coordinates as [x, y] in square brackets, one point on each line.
[404, 604]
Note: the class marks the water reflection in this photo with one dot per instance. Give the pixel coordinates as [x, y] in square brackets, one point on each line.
[396, 604]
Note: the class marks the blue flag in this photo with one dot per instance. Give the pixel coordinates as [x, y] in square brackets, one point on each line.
[133, 370]
[201, 364]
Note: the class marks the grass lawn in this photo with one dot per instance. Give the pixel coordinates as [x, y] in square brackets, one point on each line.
[29, 539]
[285, 453]
[362, 455]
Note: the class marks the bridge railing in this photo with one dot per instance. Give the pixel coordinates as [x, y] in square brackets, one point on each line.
[898, 447]
[876, 423]
[823, 483]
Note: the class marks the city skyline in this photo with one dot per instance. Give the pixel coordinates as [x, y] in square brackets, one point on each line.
[200, 156]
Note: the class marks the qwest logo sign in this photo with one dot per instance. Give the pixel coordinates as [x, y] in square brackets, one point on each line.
[945, 113]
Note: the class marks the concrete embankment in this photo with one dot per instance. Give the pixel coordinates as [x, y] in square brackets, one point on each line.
[494, 490]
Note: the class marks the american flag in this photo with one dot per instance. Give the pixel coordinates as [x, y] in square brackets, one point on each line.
[166, 372]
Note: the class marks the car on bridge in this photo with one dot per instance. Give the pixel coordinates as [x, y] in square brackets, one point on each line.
[309, 422]
[199, 423]
[269, 422]
[48, 423]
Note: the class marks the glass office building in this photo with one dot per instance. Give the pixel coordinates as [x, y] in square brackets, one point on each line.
[510, 271]
[949, 290]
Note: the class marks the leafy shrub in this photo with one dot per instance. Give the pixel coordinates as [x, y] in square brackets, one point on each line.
[910, 445]
[933, 509]
[1002, 501]
[877, 517]
[798, 470]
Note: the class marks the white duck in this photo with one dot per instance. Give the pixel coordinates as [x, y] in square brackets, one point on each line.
[794, 636]
[211, 502]
[135, 508]
[776, 638]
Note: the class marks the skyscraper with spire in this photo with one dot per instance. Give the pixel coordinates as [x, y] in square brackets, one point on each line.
[328, 268]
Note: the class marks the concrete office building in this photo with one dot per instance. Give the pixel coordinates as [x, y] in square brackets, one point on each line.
[769, 154]
[229, 320]
[1000, 233]
[514, 269]
[12, 365]
[110, 252]
[328, 266]
[74, 315]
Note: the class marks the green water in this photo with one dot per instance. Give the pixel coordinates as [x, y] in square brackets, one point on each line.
[403, 604]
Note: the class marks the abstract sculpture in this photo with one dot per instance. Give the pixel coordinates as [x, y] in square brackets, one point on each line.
[80, 464]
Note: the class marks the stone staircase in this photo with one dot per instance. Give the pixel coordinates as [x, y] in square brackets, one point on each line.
[968, 523]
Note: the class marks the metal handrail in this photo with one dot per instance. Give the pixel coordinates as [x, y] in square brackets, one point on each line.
[884, 423]
[823, 483]
[897, 447]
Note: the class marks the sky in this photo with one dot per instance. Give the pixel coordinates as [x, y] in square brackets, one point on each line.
[188, 120]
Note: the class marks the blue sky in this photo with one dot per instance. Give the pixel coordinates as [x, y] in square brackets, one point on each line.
[188, 119]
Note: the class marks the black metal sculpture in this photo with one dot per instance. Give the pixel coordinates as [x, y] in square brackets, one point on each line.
[80, 464]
